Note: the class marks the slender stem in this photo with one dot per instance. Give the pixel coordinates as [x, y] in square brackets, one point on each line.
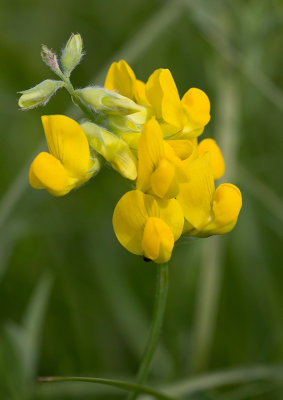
[109, 382]
[76, 99]
[158, 314]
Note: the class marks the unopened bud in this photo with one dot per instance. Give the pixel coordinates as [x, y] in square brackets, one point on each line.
[50, 59]
[72, 53]
[108, 102]
[39, 94]
[114, 149]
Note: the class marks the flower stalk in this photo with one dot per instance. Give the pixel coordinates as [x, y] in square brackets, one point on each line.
[154, 334]
[77, 101]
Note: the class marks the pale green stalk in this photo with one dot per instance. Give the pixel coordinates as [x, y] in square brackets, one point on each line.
[158, 314]
[130, 387]
[92, 115]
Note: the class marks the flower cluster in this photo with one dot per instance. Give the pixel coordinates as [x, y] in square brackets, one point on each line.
[150, 136]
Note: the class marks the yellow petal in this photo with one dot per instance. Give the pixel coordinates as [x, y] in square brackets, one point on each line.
[217, 161]
[46, 172]
[122, 78]
[180, 166]
[162, 93]
[163, 180]
[150, 152]
[183, 148]
[157, 241]
[195, 196]
[227, 203]
[197, 106]
[130, 216]
[140, 93]
[68, 143]
[171, 212]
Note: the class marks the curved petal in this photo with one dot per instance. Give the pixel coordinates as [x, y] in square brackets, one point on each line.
[227, 203]
[46, 172]
[130, 216]
[140, 94]
[171, 212]
[157, 241]
[150, 152]
[162, 93]
[182, 148]
[122, 78]
[216, 157]
[195, 196]
[68, 143]
[197, 106]
[163, 182]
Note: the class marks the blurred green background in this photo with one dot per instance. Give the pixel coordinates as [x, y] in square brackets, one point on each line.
[72, 300]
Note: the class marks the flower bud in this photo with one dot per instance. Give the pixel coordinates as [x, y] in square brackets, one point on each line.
[50, 59]
[72, 54]
[108, 102]
[39, 94]
[114, 149]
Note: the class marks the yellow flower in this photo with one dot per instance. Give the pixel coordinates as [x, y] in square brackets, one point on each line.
[68, 163]
[159, 169]
[208, 211]
[147, 226]
[184, 118]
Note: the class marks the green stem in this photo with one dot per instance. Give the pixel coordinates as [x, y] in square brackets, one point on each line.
[109, 382]
[158, 314]
[76, 99]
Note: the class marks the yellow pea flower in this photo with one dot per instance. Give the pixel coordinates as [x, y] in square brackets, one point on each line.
[180, 118]
[68, 163]
[163, 96]
[184, 118]
[207, 211]
[159, 169]
[147, 226]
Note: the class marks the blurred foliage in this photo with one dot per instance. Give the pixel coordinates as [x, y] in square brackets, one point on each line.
[225, 298]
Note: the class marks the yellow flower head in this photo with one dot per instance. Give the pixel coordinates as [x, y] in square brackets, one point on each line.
[147, 226]
[149, 135]
[68, 163]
